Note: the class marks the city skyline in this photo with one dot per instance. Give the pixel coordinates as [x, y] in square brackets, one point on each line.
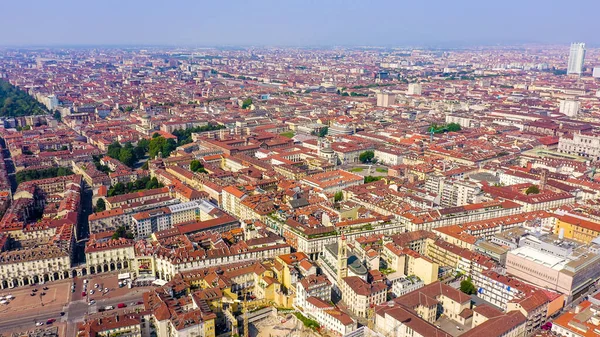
[269, 23]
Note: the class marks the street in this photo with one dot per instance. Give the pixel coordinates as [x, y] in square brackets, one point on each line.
[74, 313]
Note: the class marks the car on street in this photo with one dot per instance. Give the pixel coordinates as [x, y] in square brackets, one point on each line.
[50, 321]
[39, 324]
[121, 305]
[92, 302]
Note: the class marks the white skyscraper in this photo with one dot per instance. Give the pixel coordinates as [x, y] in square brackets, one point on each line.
[576, 57]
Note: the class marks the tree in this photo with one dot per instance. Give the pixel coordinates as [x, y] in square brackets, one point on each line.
[196, 166]
[370, 179]
[533, 189]
[467, 287]
[247, 103]
[114, 150]
[323, 132]
[155, 146]
[51, 172]
[16, 102]
[122, 232]
[100, 205]
[127, 157]
[366, 156]
[453, 127]
[57, 115]
[339, 196]
[184, 136]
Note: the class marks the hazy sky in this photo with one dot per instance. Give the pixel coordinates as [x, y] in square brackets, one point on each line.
[298, 23]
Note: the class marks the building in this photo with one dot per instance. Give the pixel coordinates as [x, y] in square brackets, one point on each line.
[394, 320]
[555, 263]
[175, 312]
[414, 89]
[511, 324]
[385, 99]
[569, 107]
[410, 263]
[581, 144]
[118, 324]
[360, 296]
[576, 228]
[108, 255]
[576, 58]
[435, 299]
[581, 321]
[329, 316]
[312, 286]
[333, 181]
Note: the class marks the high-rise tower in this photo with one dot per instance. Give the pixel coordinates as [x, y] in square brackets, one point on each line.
[576, 58]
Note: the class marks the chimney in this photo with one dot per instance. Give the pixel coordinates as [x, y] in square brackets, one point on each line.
[561, 233]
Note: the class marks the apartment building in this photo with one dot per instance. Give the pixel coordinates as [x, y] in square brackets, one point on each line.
[312, 286]
[329, 316]
[359, 295]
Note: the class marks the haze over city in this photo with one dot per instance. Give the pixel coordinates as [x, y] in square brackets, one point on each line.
[298, 23]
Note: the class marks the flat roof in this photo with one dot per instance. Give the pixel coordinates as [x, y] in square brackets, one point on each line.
[548, 260]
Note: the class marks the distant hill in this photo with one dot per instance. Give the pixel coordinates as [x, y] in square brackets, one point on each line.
[15, 102]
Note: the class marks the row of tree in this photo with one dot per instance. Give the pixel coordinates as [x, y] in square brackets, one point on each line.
[144, 183]
[16, 102]
[129, 154]
[50, 172]
[450, 127]
[184, 136]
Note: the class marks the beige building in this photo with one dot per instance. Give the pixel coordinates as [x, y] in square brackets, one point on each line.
[359, 295]
[109, 255]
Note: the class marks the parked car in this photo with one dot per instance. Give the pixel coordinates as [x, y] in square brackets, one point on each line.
[92, 302]
[45, 288]
[62, 313]
[86, 281]
[92, 292]
[83, 293]
[32, 294]
[39, 324]
[43, 293]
